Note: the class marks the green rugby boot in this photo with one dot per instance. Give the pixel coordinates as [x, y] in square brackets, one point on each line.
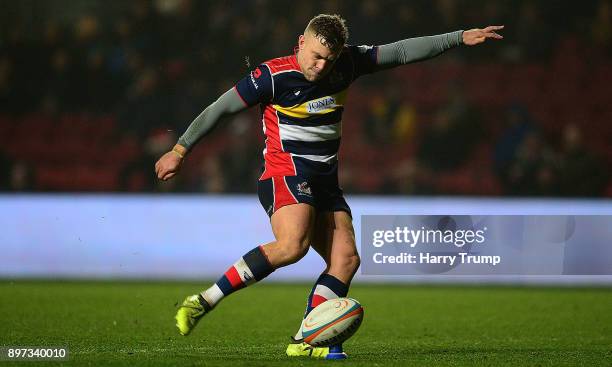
[300, 349]
[190, 312]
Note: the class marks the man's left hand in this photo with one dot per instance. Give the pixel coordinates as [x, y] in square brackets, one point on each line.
[475, 36]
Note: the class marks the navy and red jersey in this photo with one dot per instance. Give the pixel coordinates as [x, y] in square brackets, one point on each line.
[302, 120]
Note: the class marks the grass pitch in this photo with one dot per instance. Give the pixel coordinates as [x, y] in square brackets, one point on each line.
[130, 323]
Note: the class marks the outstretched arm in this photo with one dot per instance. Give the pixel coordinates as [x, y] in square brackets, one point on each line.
[422, 48]
[229, 103]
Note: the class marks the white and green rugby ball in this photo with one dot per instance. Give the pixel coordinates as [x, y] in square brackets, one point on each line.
[332, 322]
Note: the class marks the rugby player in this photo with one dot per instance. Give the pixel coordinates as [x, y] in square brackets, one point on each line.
[302, 97]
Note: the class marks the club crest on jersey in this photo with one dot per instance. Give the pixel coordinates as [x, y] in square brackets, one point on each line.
[304, 189]
[321, 104]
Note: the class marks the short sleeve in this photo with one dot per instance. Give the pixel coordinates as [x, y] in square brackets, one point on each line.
[256, 87]
[364, 59]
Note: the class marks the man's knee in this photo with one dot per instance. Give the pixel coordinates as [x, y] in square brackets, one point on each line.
[292, 250]
[292, 226]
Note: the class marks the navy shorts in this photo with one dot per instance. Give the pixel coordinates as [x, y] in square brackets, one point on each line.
[322, 193]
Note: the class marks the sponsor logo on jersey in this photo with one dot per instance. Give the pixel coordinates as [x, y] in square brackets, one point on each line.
[321, 104]
[255, 75]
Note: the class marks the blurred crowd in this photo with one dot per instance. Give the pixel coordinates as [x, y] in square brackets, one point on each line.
[92, 93]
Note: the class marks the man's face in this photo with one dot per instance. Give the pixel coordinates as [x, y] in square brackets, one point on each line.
[315, 59]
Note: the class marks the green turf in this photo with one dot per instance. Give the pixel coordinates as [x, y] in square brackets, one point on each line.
[108, 323]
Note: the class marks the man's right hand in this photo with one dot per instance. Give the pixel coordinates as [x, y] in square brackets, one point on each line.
[170, 163]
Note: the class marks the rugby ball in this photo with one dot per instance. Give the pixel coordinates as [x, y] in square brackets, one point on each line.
[332, 322]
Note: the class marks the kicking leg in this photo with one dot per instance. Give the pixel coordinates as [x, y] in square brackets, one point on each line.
[292, 226]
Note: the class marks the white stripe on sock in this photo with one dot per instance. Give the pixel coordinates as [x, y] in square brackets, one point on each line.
[325, 292]
[246, 275]
[212, 295]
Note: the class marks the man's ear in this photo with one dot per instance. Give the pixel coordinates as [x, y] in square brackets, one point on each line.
[301, 40]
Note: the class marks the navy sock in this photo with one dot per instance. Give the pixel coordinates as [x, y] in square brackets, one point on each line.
[250, 268]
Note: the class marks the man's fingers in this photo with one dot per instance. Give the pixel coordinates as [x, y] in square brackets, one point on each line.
[493, 28]
[494, 35]
[160, 171]
[164, 170]
[168, 176]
